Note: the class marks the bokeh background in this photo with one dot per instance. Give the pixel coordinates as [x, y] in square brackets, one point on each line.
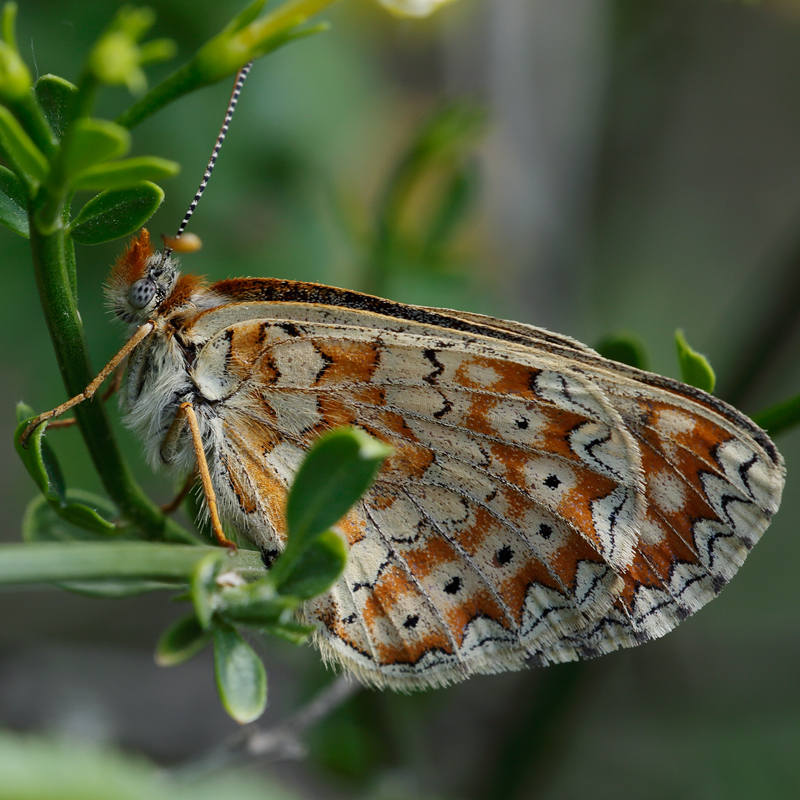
[637, 168]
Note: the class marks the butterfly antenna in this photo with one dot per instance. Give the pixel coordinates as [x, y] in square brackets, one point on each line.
[237, 90]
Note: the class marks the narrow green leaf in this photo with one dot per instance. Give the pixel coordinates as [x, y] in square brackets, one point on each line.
[56, 97]
[203, 586]
[42, 465]
[457, 199]
[317, 568]
[126, 173]
[9, 24]
[13, 203]
[85, 517]
[15, 78]
[255, 603]
[45, 521]
[241, 677]
[114, 590]
[625, 347]
[245, 17]
[695, 369]
[20, 151]
[94, 141]
[181, 641]
[337, 470]
[39, 458]
[115, 213]
[780, 417]
[292, 632]
[449, 130]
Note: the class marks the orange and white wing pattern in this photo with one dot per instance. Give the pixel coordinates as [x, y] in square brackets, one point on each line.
[542, 504]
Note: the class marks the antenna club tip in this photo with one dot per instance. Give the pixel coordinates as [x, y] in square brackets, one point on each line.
[187, 243]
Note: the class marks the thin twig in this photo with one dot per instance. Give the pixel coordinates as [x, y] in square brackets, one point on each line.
[283, 741]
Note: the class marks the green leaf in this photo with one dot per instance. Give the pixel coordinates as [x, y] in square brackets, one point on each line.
[182, 640]
[126, 173]
[241, 678]
[695, 369]
[42, 523]
[94, 141]
[780, 417]
[256, 603]
[448, 131]
[114, 590]
[625, 347]
[15, 78]
[203, 586]
[289, 631]
[38, 457]
[13, 203]
[57, 98]
[337, 470]
[18, 148]
[115, 213]
[317, 568]
[42, 465]
[244, 18]
[457, 199]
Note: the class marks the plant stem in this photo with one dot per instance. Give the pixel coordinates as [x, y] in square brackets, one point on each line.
[781, 417]
[80, 561]
[532, 745]
[176, 85]
[66, 331]
[195, 74]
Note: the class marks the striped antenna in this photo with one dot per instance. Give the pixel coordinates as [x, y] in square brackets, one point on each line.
[237, 90]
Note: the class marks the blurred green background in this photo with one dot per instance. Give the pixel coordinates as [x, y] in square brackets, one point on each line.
[638, 168]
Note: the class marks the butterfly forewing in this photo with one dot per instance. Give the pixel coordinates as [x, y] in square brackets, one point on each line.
[542, 504]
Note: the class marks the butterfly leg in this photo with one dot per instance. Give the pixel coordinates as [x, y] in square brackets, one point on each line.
[186, 411]
[174, 504]
[90, 390]
[113, 388]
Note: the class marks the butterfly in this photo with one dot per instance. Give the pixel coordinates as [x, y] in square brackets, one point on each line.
[543, 504]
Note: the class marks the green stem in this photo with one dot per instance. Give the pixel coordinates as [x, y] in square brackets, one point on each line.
[185, 80]
[535, 741]
[779, 418]
[241, 46]
[379, 266]
[80, 561]
[66, 331]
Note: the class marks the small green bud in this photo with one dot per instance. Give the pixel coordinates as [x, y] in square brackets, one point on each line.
[15, 78]
[117, 58]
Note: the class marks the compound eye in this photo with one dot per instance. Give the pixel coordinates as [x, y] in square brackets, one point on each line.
[141, 293]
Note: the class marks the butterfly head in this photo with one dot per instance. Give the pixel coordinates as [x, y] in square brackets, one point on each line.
[141, 280]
